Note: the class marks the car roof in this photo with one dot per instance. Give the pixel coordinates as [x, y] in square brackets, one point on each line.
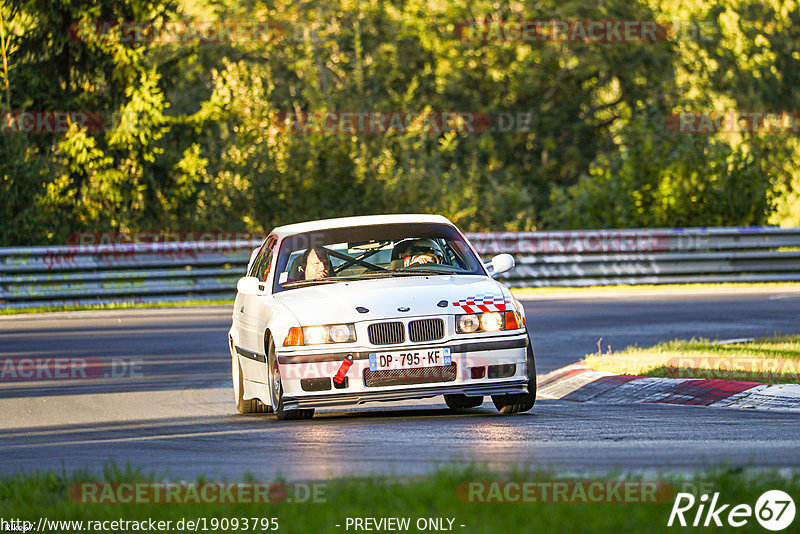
[365, 220]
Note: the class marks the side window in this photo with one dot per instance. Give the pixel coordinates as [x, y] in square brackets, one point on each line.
[262, 263]
[254, 266]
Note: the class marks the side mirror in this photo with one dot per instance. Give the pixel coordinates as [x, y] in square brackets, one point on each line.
[250, 285]
[502, 263]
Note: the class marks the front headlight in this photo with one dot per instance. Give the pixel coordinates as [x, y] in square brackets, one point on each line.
[491, 322]
[466, 324]
[488, 322]
[315, 335]
[320, 335]
[342, 333]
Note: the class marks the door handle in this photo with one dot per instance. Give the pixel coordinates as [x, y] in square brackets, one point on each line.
[242, 310]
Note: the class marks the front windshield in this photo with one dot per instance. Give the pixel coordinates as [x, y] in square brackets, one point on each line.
[346, 254]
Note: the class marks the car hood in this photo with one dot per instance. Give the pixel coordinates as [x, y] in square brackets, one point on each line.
[337, 303]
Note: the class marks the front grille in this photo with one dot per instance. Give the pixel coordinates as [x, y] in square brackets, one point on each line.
[402, 377]
[425, 330]
[386, 333]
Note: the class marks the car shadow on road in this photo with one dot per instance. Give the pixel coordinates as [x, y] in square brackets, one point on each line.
[231, 427]
[410, 412]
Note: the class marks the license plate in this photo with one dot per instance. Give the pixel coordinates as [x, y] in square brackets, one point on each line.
[410, 359]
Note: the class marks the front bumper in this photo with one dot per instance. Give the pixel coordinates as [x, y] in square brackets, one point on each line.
[410, 392]
[510, 350]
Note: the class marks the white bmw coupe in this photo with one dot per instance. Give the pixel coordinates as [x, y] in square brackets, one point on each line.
[378, 308]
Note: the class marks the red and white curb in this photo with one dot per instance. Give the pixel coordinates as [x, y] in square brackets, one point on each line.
[581, 384]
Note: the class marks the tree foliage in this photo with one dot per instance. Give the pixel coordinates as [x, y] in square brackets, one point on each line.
[192, 136]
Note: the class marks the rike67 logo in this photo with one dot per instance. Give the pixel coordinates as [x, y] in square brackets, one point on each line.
[774, 510]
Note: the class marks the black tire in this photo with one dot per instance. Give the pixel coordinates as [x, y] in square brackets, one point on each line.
[244, 406]
[462, 402]
[520, 402]
[274, 378]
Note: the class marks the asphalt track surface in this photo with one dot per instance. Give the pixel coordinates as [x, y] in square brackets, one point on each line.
[170, 408]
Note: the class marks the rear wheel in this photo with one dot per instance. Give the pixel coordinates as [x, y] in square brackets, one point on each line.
[274, 376]
[520, 402]
[242, 405]
[462, 402]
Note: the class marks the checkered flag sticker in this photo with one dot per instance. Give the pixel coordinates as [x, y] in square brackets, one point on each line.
[484, 303]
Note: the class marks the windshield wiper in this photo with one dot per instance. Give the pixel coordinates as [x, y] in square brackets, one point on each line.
[406, 272]
[329, 280]
[302, 283]
[365, 276]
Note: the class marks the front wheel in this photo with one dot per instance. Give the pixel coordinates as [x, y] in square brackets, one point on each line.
[520, 402]
[274, 375]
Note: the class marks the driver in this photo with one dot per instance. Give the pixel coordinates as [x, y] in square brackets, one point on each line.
[422, 252]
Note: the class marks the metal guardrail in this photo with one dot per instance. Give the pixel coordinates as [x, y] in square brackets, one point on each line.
[127, 272]
[166, 272]
[657, 256]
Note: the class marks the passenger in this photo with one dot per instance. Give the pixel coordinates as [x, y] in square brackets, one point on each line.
[316, 264]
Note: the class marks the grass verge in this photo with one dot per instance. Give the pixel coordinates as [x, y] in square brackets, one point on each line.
[451, 494]
[770, 360]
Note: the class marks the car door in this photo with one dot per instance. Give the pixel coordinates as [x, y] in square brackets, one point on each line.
[251, 317]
